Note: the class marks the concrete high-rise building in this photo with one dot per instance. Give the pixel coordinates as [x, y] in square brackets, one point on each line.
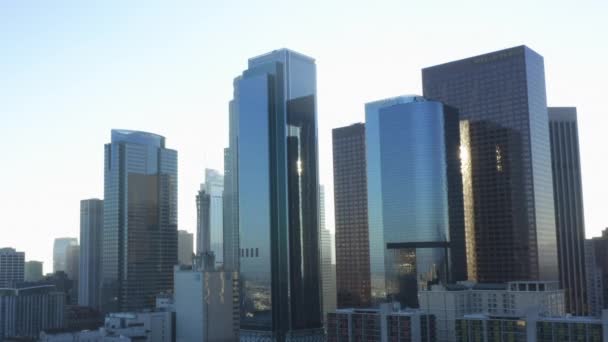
[569, 213]
[206, 304]
[210, 218]
[328, 268]
[278, 199]
[415, 205]
[350, 209]
[91, 234]
[140, 221]
[33, 271]
[27, 310]
[60, 248]
[597, 248]
[185, 246]
[506, 162]
[72, 261]
[594, 279]
[12, 264]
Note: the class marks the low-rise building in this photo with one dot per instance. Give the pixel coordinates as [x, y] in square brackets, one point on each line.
[388, 323]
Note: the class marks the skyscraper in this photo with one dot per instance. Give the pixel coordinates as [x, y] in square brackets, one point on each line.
[72, 268]
[569, 215]
[91, 234]
[328, 268]
[209, 204]
[33, 271]
[278, 198]
[508, 185]
[60, 248]
[598, 249]
[185, 243]
[230, 197]
[140, 220]
[415, 206]
[12, 265]
[350, 210]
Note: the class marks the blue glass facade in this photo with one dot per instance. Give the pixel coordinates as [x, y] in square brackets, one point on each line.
[415, 197]
[508, 181]
[140, 220]
[278, 197]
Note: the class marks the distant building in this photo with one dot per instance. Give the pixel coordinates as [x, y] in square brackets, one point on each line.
[27, 310]
[569, 213]
[507, 178]
[33, 271]
[210, 218]
[386, 324]
[328, 268]
[60, 248]
[531, 328]
[151, 326]
[140, 220]
[206, 304]
[350, 202]
[91, 235]
[415, 199]
[599, 268]
[63, 284]
[185, 243]
[451, 302]
[73, 263]
[12, 264]
[595, 280]
[82, 318]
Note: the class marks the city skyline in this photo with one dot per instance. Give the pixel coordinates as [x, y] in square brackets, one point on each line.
[46, 101]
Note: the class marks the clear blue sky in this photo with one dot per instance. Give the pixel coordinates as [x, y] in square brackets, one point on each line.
[72, 70]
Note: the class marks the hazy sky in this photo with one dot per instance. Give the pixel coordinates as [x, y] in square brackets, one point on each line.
[72, 70]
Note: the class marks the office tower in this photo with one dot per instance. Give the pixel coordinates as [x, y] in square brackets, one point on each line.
[506, 162]
[185, 243]
[33, 271]
[206, 303]
[12, 264]
[210, 219]
[594, 280]
[278, 198]
[350, 210]
[140, 220]
[600, 252]
[91, 234]
[72, 261]
[60, 248]
[416, 223]
[26, 310]
[569, 214]
[328, 268]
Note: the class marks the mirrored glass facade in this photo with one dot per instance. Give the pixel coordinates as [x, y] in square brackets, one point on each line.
[415, 203]
[507, 161]
[91, 233]
[210, 217]
[278, 197]
[140, 220]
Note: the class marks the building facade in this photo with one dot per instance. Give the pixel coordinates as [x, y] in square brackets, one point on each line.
[140, 220]
[569, 213]
[185, 247]
[278, 198]
[452, 302]
[595, 281]
[33, 271]
[328, 268]
[598, 249]
[209, 204]
[508, 184]
[60, 248]
[416, 223]
[12, 267]
[230, 197]
[350, 210]
[91, 234]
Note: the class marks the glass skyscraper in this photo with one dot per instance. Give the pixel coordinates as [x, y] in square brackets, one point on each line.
[60, 248]
[91, 234]
[278, 196]
[506, 157]
[230, 197]
[140, 220]
[209, 203]
[350, 209]
[415, 206]
[569, 214]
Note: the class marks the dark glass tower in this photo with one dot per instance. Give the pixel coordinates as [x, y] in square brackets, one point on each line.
[350, 198]
[415, 205]
[278, 198]
[140, 220]
[91, 233]
[506, 157]
[569, 214]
